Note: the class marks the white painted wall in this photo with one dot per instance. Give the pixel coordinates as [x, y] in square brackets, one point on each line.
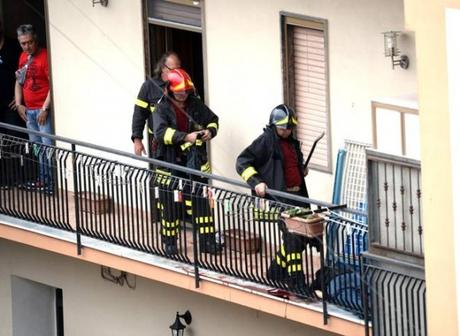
[243, 41]
[97, 57]
[93, 306]
[453, 55]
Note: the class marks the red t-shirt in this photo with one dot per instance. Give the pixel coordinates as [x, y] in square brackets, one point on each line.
[292, 176]
[181, 120]
[37, 82]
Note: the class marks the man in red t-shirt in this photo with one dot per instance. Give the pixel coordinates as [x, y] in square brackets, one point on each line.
[32, 98]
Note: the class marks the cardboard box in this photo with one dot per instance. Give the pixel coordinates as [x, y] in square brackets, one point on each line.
[242, 241]
[94, 203]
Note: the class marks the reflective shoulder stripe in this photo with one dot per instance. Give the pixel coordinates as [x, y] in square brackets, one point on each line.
[248, 172]
[141, 103]
[169, 136]
[212, 125]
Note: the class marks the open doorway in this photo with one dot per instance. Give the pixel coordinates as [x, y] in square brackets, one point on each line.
[187, 44]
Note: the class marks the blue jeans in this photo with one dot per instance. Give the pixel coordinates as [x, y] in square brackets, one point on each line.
[42, 152]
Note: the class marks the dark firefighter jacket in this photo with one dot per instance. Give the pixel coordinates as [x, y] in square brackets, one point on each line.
[170, 141]
[262, 161]
[150, 93]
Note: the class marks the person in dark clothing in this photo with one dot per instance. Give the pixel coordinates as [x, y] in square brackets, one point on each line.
[149, 95]
[274, 160]
[9, 57]
[182, 127]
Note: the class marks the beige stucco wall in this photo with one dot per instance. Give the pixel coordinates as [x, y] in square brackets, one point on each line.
[93, 306]
[245, 79]
[427, 18]
[97, 56]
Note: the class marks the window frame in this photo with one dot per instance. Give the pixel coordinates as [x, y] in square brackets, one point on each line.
[288, 75]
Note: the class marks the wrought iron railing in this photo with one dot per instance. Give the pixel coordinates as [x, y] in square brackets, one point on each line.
[104, 194]
[394, 298]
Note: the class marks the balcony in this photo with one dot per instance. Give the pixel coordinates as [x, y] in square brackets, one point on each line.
[103, 200]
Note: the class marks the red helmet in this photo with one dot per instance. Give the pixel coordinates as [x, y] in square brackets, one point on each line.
[180, 81]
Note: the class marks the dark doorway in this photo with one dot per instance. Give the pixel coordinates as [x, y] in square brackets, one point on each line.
[18, 12]
[186, 44]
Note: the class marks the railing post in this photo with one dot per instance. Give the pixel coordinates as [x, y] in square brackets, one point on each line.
[323, 283]
[364, 296]
[77, 204]
[195, 234]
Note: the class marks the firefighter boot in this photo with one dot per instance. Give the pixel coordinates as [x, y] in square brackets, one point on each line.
[276, 272]
[170, 245]
[208, 244]
[296, 283]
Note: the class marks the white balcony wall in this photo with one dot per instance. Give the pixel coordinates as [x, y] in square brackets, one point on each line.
[244, 62]
[94, 306]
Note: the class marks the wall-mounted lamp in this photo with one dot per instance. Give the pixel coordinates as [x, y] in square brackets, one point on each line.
[390, 40]
[177, 328]
[103, 3]
[196, 2]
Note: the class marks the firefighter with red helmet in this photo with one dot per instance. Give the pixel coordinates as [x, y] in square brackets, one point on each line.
[274, 160]
[182, 127]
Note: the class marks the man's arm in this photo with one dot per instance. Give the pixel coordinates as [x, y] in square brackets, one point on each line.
[41, 118]
[18, 101]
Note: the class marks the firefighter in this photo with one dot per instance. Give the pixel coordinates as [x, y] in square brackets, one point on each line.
[274, 160]
[183, 126]
[149, 95]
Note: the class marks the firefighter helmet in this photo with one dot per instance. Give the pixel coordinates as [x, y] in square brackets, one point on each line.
[180, 81]
[283, 116]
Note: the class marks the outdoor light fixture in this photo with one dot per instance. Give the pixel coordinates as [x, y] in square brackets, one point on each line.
[196, 2]
[103, 3]
[177, 328]
[390, 40]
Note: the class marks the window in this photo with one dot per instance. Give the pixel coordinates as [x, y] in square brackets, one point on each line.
[306, 84]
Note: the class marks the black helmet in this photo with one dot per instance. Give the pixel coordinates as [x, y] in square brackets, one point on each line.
[283, 116]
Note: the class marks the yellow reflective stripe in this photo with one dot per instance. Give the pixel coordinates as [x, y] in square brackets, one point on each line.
[294, 120]
[280, 262]
[248, 172]
[294, 256]
[160, 206]
[212, 125]
[294, 268]
[185, 145]
[167, 224]
[207, 229]
[169, 233]
[189, 212]
[198, 142]
[153, 108]
[150, 130]
[283, 251]
[164, 172]
[283, 121]
[169, 136]
[204, 219]
[206, 168]
[188, 203]
[141, 103]
[273, 214]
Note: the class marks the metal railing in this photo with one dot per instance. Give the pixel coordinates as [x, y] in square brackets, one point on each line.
[394, 297]
[395, 205]
[100, 193]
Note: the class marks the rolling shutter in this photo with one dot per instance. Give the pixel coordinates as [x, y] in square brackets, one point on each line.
[176, 15]
[308, 88]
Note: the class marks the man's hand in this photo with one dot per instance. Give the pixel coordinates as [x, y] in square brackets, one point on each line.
[41, 118]
[22, 112]
[191, 137]
[206, 135]
[139, 147]
[260, 189]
